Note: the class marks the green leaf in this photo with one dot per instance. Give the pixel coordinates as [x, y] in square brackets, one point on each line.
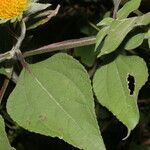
[118, 31]
[106, 22]
[128, 8]
[4, 143]
[135, 41]
[100, 36]
[87, 54]
[112, 90]
[56, 99]
[143, 20]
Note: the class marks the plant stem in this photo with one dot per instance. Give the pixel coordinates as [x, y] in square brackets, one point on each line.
[22, 36]
[68, 44]
[12, 53]
[5, 56]
[3, 89]
[116, 7]
[94, 26]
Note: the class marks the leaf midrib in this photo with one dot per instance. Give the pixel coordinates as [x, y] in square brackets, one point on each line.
[51, 96]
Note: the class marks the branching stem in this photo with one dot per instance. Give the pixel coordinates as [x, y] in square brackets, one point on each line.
[64, 45]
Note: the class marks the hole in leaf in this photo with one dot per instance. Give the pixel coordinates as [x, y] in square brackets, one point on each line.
[131, 84]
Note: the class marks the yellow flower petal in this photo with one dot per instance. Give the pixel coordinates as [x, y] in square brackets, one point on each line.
[10, 9]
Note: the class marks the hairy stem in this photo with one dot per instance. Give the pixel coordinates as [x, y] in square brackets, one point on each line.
[3, 89]
[22, 35]
[116, 7]
[12, 53]
[68, 44]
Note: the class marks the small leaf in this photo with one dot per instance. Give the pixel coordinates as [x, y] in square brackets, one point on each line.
[100, 36]
[4, 143]
[135, 41]
[106, 22]
[56, 99]
[113, 91]
[143, 20]
[128, 8]
[118, 31]
[87, 54]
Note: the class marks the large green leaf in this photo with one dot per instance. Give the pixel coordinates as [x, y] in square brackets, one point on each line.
[4, 143]
[56, 100]
[118, 31]
[128, 8]
[111, 87]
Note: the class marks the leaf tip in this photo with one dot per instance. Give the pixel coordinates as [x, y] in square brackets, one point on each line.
[128, 134]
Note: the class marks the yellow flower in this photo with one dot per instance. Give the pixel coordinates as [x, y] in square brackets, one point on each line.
[11, 9]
